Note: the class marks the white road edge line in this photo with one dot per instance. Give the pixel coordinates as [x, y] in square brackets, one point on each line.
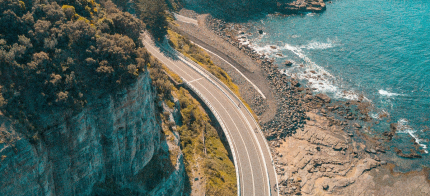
[240, 102]
[253, 85]
[263, 138]
[258, 127]
[247, 153]
[255, 137]
[184, 19]
[230, 141]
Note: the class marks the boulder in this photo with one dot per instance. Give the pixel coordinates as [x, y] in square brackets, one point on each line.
[323, 97]
[288, 63]
[357, 125]
[295, 83]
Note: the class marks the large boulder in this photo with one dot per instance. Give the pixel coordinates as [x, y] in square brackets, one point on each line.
[323, 97]
[302, 6]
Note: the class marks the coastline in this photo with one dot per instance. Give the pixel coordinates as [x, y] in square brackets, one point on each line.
[305, 124]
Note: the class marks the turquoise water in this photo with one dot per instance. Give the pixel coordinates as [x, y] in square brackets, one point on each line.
[380, 49]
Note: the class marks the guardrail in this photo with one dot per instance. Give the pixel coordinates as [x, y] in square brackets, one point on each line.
[220, 121]
[206, 73]
[240, 102]
[217, 116]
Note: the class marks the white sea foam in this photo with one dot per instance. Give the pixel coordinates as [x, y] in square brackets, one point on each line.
[374, 115]
[388, 94]
[403, 127]
[323, 81]
[317, 77]
[319, 45]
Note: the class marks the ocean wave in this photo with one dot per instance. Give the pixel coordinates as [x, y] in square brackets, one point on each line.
[265, 50]
[318, 78]
[319, 45]
[388, 94]
[273, 49]
[403, 127]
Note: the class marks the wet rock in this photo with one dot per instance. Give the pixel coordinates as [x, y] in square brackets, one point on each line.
[309, 97]
[294, 7]
[357, 125]
[412, 155]
[390, 134]
[323, 97]
[325, 187]
[295, 83]
[288, 63]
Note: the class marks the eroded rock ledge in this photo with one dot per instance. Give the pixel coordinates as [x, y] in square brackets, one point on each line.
[109, 143]
[301, 6]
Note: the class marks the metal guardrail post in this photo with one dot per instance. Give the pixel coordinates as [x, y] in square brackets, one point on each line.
[223, 127]
[199, 69]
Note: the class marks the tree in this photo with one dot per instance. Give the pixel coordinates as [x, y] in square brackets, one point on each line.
[153, 14]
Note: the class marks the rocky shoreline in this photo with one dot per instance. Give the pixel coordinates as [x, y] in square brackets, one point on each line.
[293, 97]
[352, 114]
[301, 6]
[315, 126]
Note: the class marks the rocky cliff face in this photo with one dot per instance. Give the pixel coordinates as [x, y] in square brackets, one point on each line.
[234, 9]
[112, 139]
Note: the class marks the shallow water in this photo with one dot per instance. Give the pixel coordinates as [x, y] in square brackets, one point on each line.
[380, 49]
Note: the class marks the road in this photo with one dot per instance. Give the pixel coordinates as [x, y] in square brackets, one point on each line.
[254, 168]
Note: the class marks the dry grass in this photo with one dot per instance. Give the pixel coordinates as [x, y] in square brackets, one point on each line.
[205, 156]
[199, 56]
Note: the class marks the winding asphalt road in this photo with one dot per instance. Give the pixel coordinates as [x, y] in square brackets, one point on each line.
[254, 167]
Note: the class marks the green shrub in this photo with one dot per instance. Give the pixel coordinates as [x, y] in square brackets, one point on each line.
[53, 61]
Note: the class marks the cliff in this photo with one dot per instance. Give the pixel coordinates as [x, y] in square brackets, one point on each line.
[111, 140]
[234, 9]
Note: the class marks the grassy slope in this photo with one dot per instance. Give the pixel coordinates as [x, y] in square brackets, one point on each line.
[204, 153]
[198, 55]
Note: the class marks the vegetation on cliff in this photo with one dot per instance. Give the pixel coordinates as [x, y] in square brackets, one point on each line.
[56, 55]
[153, 14]
[198, 55]
[206, 158]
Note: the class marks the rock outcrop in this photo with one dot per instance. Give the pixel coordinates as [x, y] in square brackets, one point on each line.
[233, 9]
[302, 6]
[113, 138]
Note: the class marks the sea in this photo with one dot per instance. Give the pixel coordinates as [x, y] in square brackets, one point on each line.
[377, 49]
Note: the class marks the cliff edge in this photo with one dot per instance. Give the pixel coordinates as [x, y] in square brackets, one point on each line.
[112, 139]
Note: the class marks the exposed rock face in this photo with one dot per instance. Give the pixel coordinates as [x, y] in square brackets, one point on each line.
[241, 8]
[323, 97]
[302, 6]
[319, 159]
[112, 138]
